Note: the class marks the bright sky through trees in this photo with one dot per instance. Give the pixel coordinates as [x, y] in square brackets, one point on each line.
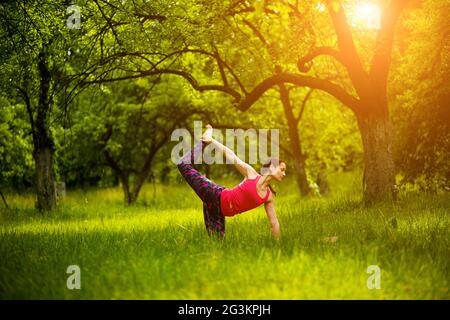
[364, 14]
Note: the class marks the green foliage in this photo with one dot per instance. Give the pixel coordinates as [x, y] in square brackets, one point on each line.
[121, 39]
[16, 162]
[130, 121]
[422, 109]
[330, 135]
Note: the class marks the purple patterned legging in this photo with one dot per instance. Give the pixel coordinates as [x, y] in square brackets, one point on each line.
[208, 191]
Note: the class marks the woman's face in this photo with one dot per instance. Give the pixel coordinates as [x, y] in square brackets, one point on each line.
[279, 172]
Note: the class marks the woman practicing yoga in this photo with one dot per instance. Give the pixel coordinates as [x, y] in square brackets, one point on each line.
[220, 202]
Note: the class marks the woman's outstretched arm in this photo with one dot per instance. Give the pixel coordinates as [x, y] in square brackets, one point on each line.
[245, 169]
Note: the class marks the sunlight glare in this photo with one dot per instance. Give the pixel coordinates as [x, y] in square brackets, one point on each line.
[364, 14]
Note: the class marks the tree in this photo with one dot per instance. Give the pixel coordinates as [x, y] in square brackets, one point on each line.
[371, 106]
[364, 90]
[34, 61]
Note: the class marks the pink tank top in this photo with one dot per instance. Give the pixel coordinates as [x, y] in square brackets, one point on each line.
[241, 198]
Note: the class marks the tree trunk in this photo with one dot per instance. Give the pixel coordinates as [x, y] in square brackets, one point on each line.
[43, 142]
[379, 172]
[299, 159]
[140, 180]
[322, 181]
[4, 200]
[45, 179]
[128, 195]
[142, 176]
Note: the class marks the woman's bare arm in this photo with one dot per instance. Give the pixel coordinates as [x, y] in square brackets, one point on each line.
[245, 169]
[272, 216]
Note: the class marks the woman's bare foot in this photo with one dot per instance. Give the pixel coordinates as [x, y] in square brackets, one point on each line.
[207, 135]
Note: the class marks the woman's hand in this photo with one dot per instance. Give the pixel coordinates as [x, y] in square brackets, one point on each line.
[276, 231]
[207, 135]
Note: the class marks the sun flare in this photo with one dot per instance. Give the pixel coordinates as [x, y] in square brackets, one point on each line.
[365, 14]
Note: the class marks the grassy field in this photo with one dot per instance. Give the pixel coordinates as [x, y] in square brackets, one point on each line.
[159, 249]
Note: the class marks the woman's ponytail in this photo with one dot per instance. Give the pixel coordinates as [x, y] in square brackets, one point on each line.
[271, 189]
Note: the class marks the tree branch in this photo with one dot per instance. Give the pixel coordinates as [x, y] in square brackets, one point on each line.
[146, 17]
[194, 83]
[299, 80]
[232, 10]
[109, 159]
[304, 64]
[302, 107]
[26, 98]
[108, 20]
[347, 48]
[229, 126]
[383, 49]
[220, 65]
[257, 32]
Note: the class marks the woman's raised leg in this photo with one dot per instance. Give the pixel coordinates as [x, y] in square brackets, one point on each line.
[207, 190]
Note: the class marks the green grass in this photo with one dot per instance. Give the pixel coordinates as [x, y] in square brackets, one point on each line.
[159, 249]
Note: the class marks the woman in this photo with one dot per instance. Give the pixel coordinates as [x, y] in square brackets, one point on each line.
[220, 202]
